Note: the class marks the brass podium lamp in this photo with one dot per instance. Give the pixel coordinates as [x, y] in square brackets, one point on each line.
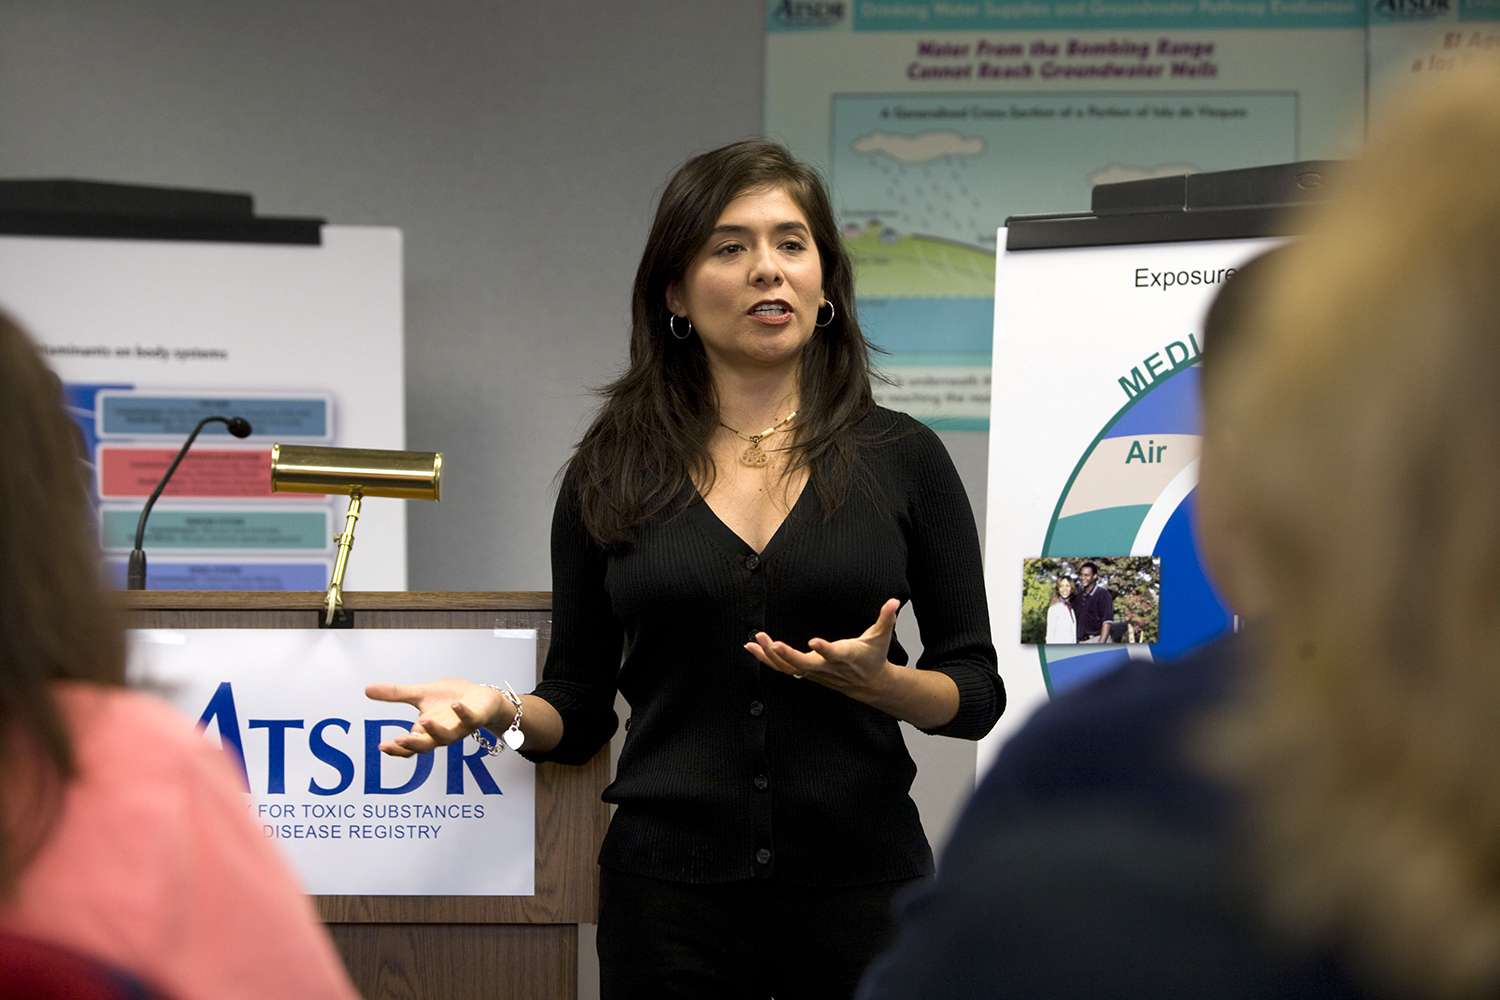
[359, 472]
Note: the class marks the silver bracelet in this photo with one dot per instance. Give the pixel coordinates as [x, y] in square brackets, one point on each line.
[513, 736]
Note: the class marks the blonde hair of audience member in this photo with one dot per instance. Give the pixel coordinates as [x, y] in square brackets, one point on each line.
[1358, 447]
[55, 622]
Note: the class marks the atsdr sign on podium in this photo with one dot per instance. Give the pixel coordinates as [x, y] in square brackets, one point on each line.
[288, 707]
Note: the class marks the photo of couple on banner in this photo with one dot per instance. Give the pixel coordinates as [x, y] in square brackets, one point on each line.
[1102, 599]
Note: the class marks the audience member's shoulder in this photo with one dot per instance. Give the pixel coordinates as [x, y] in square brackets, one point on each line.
[1123, 730]
[100, 704]
[40, 969]
[112, 717]
[1140, 694]
[1120, 738]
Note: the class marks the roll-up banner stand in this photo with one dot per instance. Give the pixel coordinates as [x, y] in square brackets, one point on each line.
[1095, 420]
[160, 306]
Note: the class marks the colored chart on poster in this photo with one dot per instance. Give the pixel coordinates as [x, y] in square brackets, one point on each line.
[141, 413]
[219, 575]
[223, 547]
[204, 472]
[943, 165]
[219, 529]
[920, 179]
[935, 122]
[150, 336]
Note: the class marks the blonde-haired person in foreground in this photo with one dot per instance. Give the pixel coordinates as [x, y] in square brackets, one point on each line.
[1369, 744]
[123, 835]
[1311, 809]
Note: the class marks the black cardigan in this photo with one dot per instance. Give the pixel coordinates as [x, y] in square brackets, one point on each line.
[731, 770]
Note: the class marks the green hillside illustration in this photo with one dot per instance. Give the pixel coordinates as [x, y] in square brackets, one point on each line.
[891, 265]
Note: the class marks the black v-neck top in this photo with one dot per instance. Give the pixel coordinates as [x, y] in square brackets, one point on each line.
[731, 770]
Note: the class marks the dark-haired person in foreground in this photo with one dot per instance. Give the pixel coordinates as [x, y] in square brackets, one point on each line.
[123, 834]
[745, 520]
[1311, 810]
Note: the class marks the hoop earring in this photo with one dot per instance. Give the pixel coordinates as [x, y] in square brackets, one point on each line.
[832, 312]
[672, 325]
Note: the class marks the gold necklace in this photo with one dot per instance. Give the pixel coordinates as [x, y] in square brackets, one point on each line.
[753, 456]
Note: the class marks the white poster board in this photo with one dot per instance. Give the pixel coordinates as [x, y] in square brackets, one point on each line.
[148, 336]
[289, 707]
[1095, 370]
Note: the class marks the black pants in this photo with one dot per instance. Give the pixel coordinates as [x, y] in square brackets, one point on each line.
[745, 940]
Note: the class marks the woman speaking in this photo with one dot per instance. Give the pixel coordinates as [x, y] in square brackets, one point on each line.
[744, 523]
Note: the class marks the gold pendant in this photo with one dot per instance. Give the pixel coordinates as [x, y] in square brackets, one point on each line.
[754, 457]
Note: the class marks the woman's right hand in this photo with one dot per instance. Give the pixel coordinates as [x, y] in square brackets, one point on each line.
[450, 710]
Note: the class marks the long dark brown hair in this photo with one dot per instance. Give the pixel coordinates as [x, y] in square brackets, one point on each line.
[650, 439]
[55, 621]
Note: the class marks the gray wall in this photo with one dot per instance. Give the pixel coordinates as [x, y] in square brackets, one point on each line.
[519, 147]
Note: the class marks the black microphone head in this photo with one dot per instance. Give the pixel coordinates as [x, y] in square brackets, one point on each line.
[239, 427]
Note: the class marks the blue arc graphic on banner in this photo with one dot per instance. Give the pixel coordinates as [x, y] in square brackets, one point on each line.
[1099, 515]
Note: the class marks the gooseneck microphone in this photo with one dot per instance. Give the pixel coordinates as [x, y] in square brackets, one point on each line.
[135, 577]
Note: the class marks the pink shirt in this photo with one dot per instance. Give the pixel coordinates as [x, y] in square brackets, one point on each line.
[155, 866]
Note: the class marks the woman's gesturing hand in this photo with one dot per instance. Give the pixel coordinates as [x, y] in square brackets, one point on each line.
[851, 666]
[859, 668]
[450, 710]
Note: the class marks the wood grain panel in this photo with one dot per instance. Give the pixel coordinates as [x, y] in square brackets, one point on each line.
[312, 600]
[185, 618]
[570, 825]
[432, 961]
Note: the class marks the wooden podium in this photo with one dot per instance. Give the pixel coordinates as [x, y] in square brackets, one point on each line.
[419, 947]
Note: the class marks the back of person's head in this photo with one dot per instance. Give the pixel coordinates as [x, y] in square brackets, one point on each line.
[1368, 478]
[1230, 312]
[1227, 332]
[55, 622]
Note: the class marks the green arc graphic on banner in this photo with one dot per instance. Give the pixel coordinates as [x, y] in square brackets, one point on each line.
[1111, 530]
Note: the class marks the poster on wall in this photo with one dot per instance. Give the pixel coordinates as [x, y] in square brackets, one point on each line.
[288, 707]
[1413, 42]
[150, 336]
[1099, 388]
[936, 121]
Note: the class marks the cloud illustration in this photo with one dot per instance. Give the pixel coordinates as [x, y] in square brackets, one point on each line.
[1116, 172]
[919, 148]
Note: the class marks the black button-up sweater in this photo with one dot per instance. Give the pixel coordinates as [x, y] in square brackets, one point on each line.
[731, 770]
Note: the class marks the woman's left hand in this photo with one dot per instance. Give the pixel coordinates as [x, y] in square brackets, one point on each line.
[857, 667]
